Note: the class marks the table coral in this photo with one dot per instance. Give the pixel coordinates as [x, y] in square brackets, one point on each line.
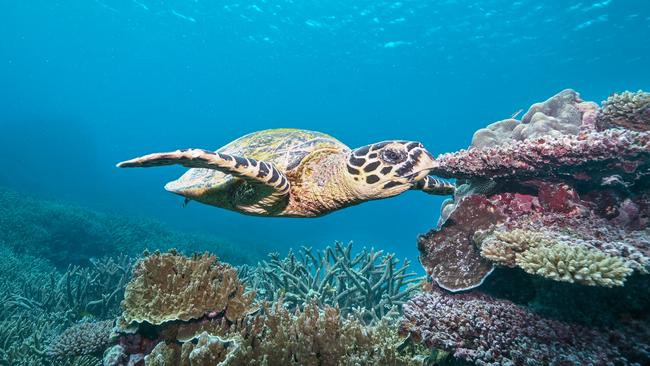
[487, 331]
[587, 156]
[168, 287]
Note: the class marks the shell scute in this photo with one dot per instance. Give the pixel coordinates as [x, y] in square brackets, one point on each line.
[286, 148]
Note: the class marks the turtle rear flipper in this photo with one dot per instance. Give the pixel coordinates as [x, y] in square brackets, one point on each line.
[251, 170]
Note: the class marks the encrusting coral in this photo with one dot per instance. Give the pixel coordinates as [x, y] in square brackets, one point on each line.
[169, 287]
[368, 283]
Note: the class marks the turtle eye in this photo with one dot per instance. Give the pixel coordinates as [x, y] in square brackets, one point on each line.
[392, 156]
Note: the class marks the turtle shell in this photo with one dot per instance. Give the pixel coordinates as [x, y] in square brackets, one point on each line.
[286, 148]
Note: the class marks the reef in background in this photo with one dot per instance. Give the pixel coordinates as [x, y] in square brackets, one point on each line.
[66, 234]
[552, 213]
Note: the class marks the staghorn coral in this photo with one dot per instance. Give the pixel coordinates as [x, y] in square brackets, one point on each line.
[629, 110]
[487, 331]
[85, 338]
[168, 287]
[370, 280]
[562, 262]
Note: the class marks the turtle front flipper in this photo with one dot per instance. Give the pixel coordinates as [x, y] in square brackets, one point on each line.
[435, 186]
[251, 170]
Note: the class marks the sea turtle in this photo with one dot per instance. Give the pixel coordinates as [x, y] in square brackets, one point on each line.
[297, 173]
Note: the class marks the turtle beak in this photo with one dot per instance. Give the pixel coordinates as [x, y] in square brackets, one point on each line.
[425, 162]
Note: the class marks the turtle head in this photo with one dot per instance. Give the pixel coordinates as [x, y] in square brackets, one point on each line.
[388, 168]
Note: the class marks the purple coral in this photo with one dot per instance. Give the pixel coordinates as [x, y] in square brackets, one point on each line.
[487, 331]
[587, 156]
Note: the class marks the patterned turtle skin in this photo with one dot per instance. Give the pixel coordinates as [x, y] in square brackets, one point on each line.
[297, 173]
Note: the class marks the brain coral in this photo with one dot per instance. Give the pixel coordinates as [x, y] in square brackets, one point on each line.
[167, 287]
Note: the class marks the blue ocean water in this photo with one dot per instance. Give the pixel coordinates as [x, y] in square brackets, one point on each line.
[85, 84]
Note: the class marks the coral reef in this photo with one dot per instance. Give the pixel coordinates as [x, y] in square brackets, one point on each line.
[630, 110]
[368, 284]
[580, 197]
[181, 308]
[553, 213]
[487, 331]
[276, 336]
[38, 303]
[66, 234]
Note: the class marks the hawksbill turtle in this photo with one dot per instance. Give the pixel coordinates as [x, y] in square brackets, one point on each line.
[297, 173]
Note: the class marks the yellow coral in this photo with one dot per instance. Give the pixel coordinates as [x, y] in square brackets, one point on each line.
[502, 247]
[167, 287]
[562, 262]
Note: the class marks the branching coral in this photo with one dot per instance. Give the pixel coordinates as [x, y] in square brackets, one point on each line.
[562, 262]
[630, 110]
[38, 302]
[369, 280]
[561, 258]
[168, 287]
